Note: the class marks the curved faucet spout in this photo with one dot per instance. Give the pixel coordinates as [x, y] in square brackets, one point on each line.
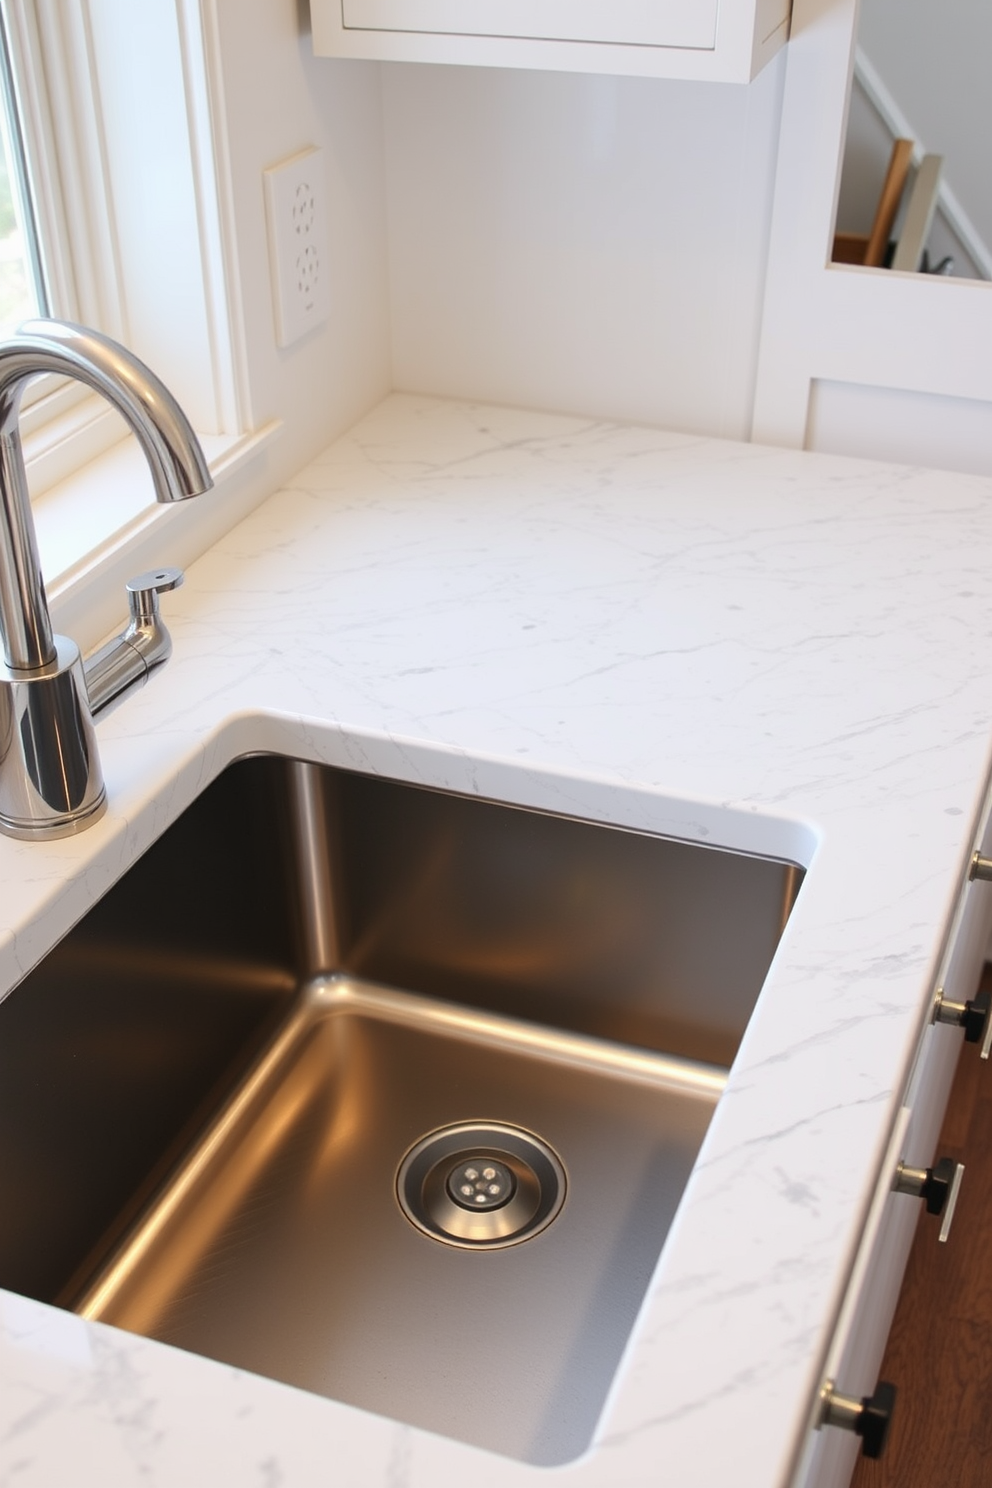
[176, 461]
[50, 779]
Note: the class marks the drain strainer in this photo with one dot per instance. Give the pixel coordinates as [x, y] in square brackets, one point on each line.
[480, 1184]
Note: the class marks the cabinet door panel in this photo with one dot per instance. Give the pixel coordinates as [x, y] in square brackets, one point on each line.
[663, 23]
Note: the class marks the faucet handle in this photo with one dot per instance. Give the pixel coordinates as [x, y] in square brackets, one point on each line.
[144, 590]
[131, 657]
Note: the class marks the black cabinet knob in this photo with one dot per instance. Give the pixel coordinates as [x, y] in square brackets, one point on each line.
[870, 1417]
[972, 1016]
[975, 1017]
[876, 1418]
[938, 1187]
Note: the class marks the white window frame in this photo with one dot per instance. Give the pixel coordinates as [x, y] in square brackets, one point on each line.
[104, 263]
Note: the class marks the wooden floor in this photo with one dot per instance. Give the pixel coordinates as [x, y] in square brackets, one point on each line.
[939, 1353]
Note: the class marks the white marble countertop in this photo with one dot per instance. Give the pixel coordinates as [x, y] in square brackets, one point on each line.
[758, 648]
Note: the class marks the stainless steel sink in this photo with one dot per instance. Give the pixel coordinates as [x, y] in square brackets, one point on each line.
[220, 1095]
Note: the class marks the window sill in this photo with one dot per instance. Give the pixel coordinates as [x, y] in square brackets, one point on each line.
[89, 522]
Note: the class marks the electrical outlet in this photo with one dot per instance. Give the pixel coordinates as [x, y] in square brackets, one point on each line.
[294, 209]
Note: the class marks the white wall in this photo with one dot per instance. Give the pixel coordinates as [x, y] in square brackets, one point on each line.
[589, 244]
[278, 100]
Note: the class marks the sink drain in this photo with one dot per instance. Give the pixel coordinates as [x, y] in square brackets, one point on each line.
[480, 1185]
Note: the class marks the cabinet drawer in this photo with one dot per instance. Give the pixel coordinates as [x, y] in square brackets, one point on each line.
[676, 23]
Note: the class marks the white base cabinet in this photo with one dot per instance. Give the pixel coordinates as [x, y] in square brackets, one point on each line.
[866, 1315]
[716, 40]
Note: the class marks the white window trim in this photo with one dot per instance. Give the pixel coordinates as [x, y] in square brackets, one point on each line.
[71, 437]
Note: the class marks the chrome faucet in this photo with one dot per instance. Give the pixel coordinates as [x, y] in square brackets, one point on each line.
[51, 783]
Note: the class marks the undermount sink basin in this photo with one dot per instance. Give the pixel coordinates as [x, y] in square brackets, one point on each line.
[386, 1093]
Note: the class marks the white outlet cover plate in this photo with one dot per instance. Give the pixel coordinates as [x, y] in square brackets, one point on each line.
[294, 209]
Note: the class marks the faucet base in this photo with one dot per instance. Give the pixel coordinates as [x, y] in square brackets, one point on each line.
[67, 827]
[51, 784]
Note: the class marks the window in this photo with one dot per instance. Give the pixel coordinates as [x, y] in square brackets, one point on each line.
[22, 291]
[118, 108]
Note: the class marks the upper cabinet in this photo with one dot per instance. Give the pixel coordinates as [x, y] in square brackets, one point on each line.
[721, 41]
